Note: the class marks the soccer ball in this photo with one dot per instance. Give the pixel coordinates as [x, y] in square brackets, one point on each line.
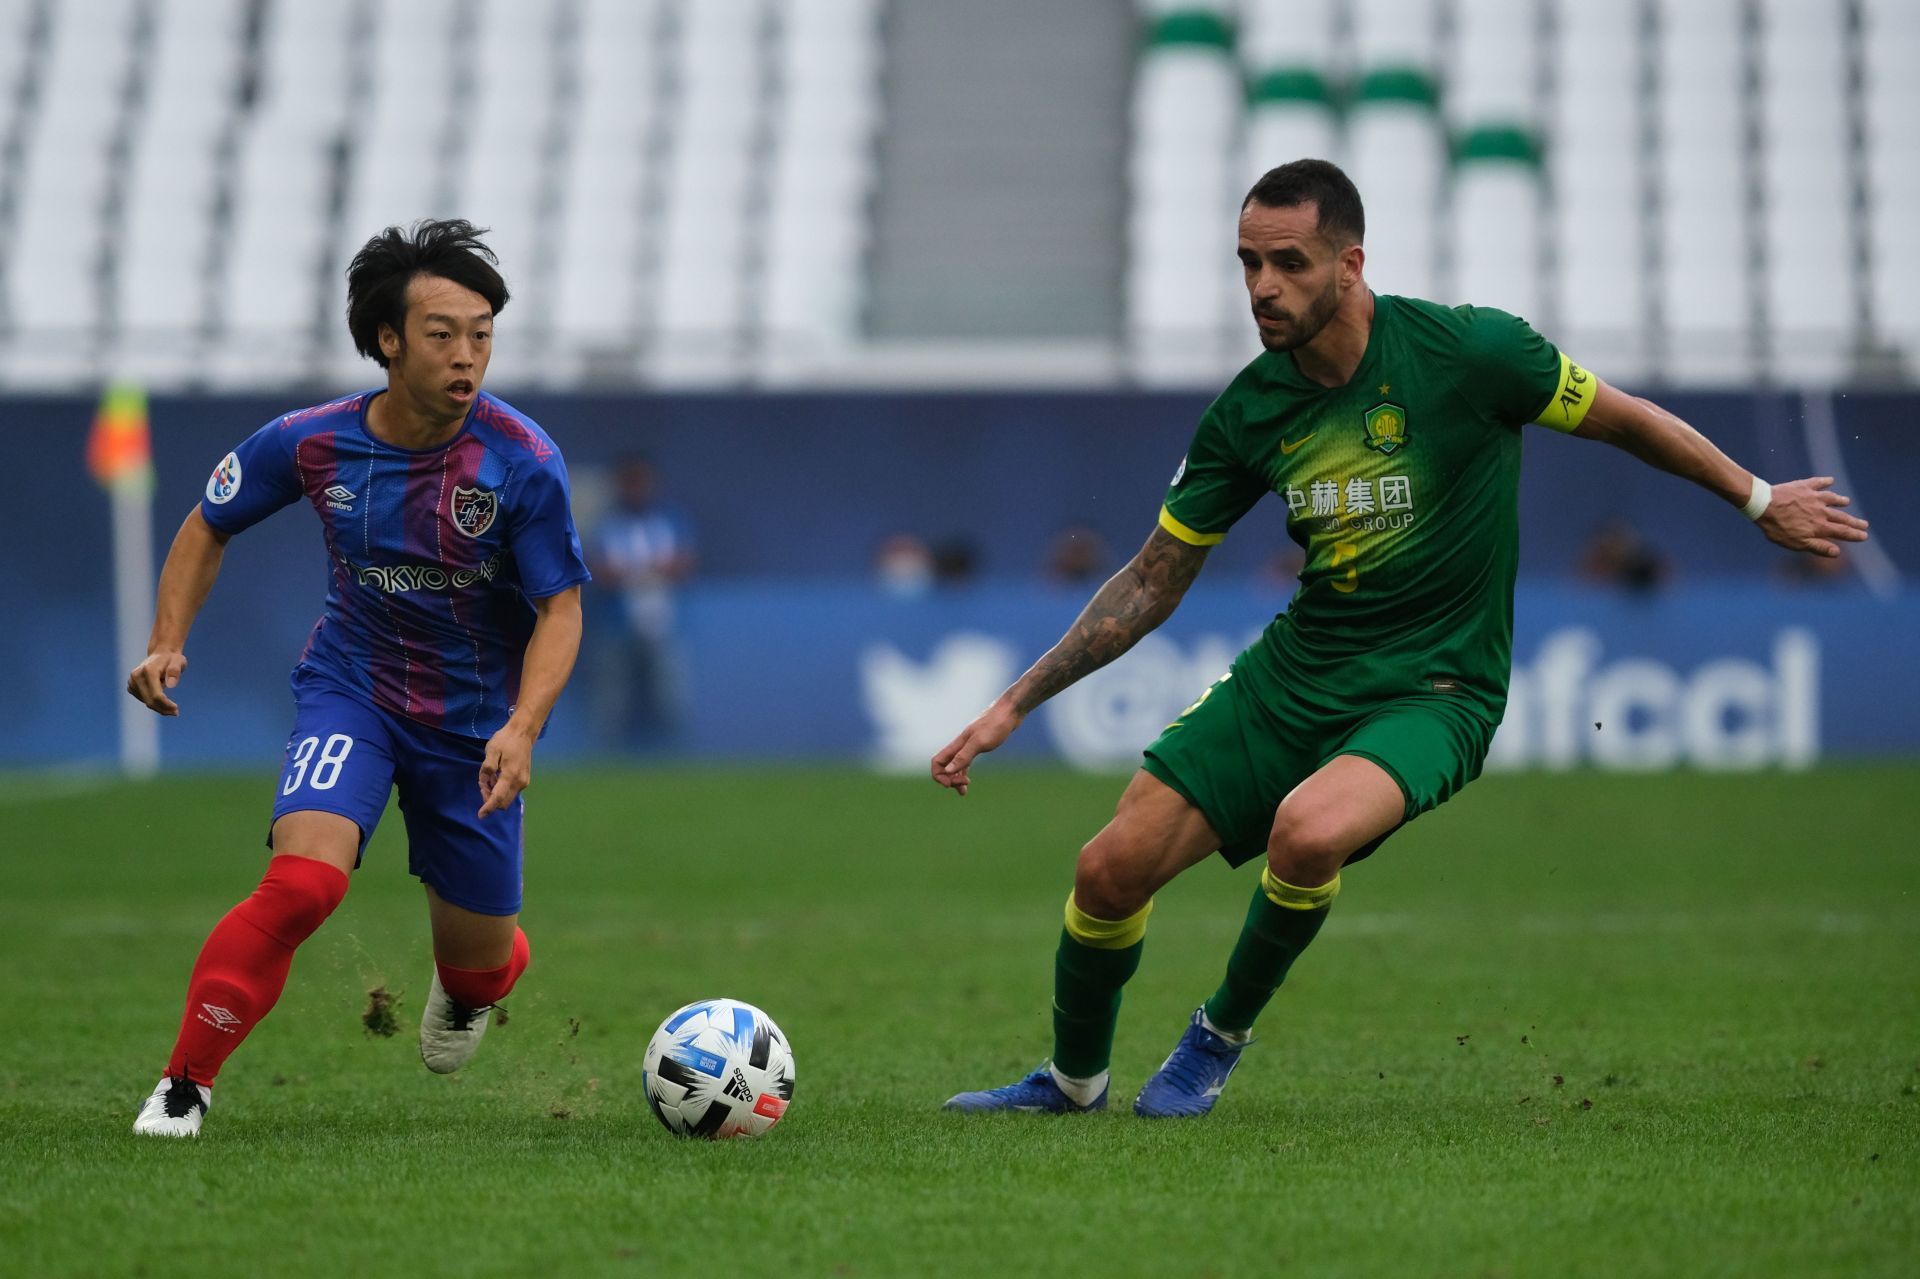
[718, 1068]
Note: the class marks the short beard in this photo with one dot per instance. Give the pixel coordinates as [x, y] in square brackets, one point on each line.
[1319, 315]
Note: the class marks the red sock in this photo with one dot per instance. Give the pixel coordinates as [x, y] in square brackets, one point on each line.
[478, 987]
[243, 967]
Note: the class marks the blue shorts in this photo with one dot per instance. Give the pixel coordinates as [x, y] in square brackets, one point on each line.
[346, 754]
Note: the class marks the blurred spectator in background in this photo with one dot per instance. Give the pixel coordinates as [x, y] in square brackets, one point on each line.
[640, 553]
[1281, 572]
[956, 562]
[1078, 556]
[903, 566]
[1616, 555]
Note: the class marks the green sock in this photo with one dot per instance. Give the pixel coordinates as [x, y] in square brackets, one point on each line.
[1280, 923]
[1093, 963]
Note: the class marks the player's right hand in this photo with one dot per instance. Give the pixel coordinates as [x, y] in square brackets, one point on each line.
[993, 726]
[152, 678]
[1806, 515]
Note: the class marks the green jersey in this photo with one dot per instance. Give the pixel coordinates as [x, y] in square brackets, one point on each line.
[1402, 488]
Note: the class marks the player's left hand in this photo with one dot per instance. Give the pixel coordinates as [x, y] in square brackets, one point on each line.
[1807, 515]
[507, 769]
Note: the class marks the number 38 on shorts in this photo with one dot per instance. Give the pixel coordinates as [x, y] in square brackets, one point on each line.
[324, 759]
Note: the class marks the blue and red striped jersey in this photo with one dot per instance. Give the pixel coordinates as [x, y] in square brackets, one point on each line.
[435, 554]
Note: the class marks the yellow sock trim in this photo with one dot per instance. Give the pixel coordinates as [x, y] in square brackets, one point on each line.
[1106, 934]
[1281, 893]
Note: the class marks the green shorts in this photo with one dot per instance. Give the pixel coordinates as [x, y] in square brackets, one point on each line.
[1249, 740]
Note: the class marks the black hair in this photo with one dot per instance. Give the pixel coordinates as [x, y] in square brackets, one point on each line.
[378, 277]
[1320, 183]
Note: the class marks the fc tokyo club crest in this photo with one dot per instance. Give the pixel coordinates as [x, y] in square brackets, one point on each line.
[474, 509]
[1386, 427]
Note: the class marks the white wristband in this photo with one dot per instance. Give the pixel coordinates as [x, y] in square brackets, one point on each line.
[1757, 501]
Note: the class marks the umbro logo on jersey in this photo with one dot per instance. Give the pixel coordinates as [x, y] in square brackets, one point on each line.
[339, 497]
[217, 1017]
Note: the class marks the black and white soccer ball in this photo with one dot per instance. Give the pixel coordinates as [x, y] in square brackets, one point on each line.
[718, 1068]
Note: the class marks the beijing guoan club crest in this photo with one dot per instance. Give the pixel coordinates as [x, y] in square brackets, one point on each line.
[473, 510]
[1386, 427]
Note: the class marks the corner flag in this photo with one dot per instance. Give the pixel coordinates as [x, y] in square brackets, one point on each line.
[120, 456]
[120, 448]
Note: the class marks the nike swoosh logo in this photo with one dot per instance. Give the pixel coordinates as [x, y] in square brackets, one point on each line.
[1286, 448]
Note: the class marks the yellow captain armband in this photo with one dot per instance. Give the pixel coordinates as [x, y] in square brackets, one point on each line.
[1187, 535]
[1571, 398]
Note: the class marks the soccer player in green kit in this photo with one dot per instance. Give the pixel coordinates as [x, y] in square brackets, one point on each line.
[1391, 428]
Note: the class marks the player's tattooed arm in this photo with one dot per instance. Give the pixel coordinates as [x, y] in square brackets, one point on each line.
[1134, 601]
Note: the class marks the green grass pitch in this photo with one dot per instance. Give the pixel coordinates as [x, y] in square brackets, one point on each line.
[1571, 1025]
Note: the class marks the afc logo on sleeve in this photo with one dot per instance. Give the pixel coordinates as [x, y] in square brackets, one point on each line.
[474, 509]
[1570, 402]
[225, 480]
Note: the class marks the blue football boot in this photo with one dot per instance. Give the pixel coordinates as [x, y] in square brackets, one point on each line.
[1192, 1076]
[1036, 1093]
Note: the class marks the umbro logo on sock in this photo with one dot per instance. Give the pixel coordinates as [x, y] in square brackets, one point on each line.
[218, 1017]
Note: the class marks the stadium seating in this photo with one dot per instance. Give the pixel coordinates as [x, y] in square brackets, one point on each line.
[1495, 227]
[1397, 141]
[61, 190]
[672, 185]
[607, 218]
[1890, 58]
[1601, 289]
[1706, 263]
[1287, 46]
[683, 191]
[277, 281]
[1705, 191]
[1184, 187]
[823, 127]
[160, 295]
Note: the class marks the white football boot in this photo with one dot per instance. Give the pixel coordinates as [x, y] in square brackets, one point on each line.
[450, 1032]
[174, 1109]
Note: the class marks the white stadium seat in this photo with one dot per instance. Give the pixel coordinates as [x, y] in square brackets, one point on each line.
[1288, 33]
[1492, 72]
[1890, 51]
[1398, 159]
[1496, 236]
[1595, 166]
[1806, 190]
[1185, 184]
[1706, 271]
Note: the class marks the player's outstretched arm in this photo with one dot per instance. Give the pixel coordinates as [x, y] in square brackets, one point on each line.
[193, 562]
[1802, 515]
[1134, 601]
[508, 767]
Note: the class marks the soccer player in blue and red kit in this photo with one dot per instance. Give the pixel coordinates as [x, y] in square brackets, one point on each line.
[452, 622]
